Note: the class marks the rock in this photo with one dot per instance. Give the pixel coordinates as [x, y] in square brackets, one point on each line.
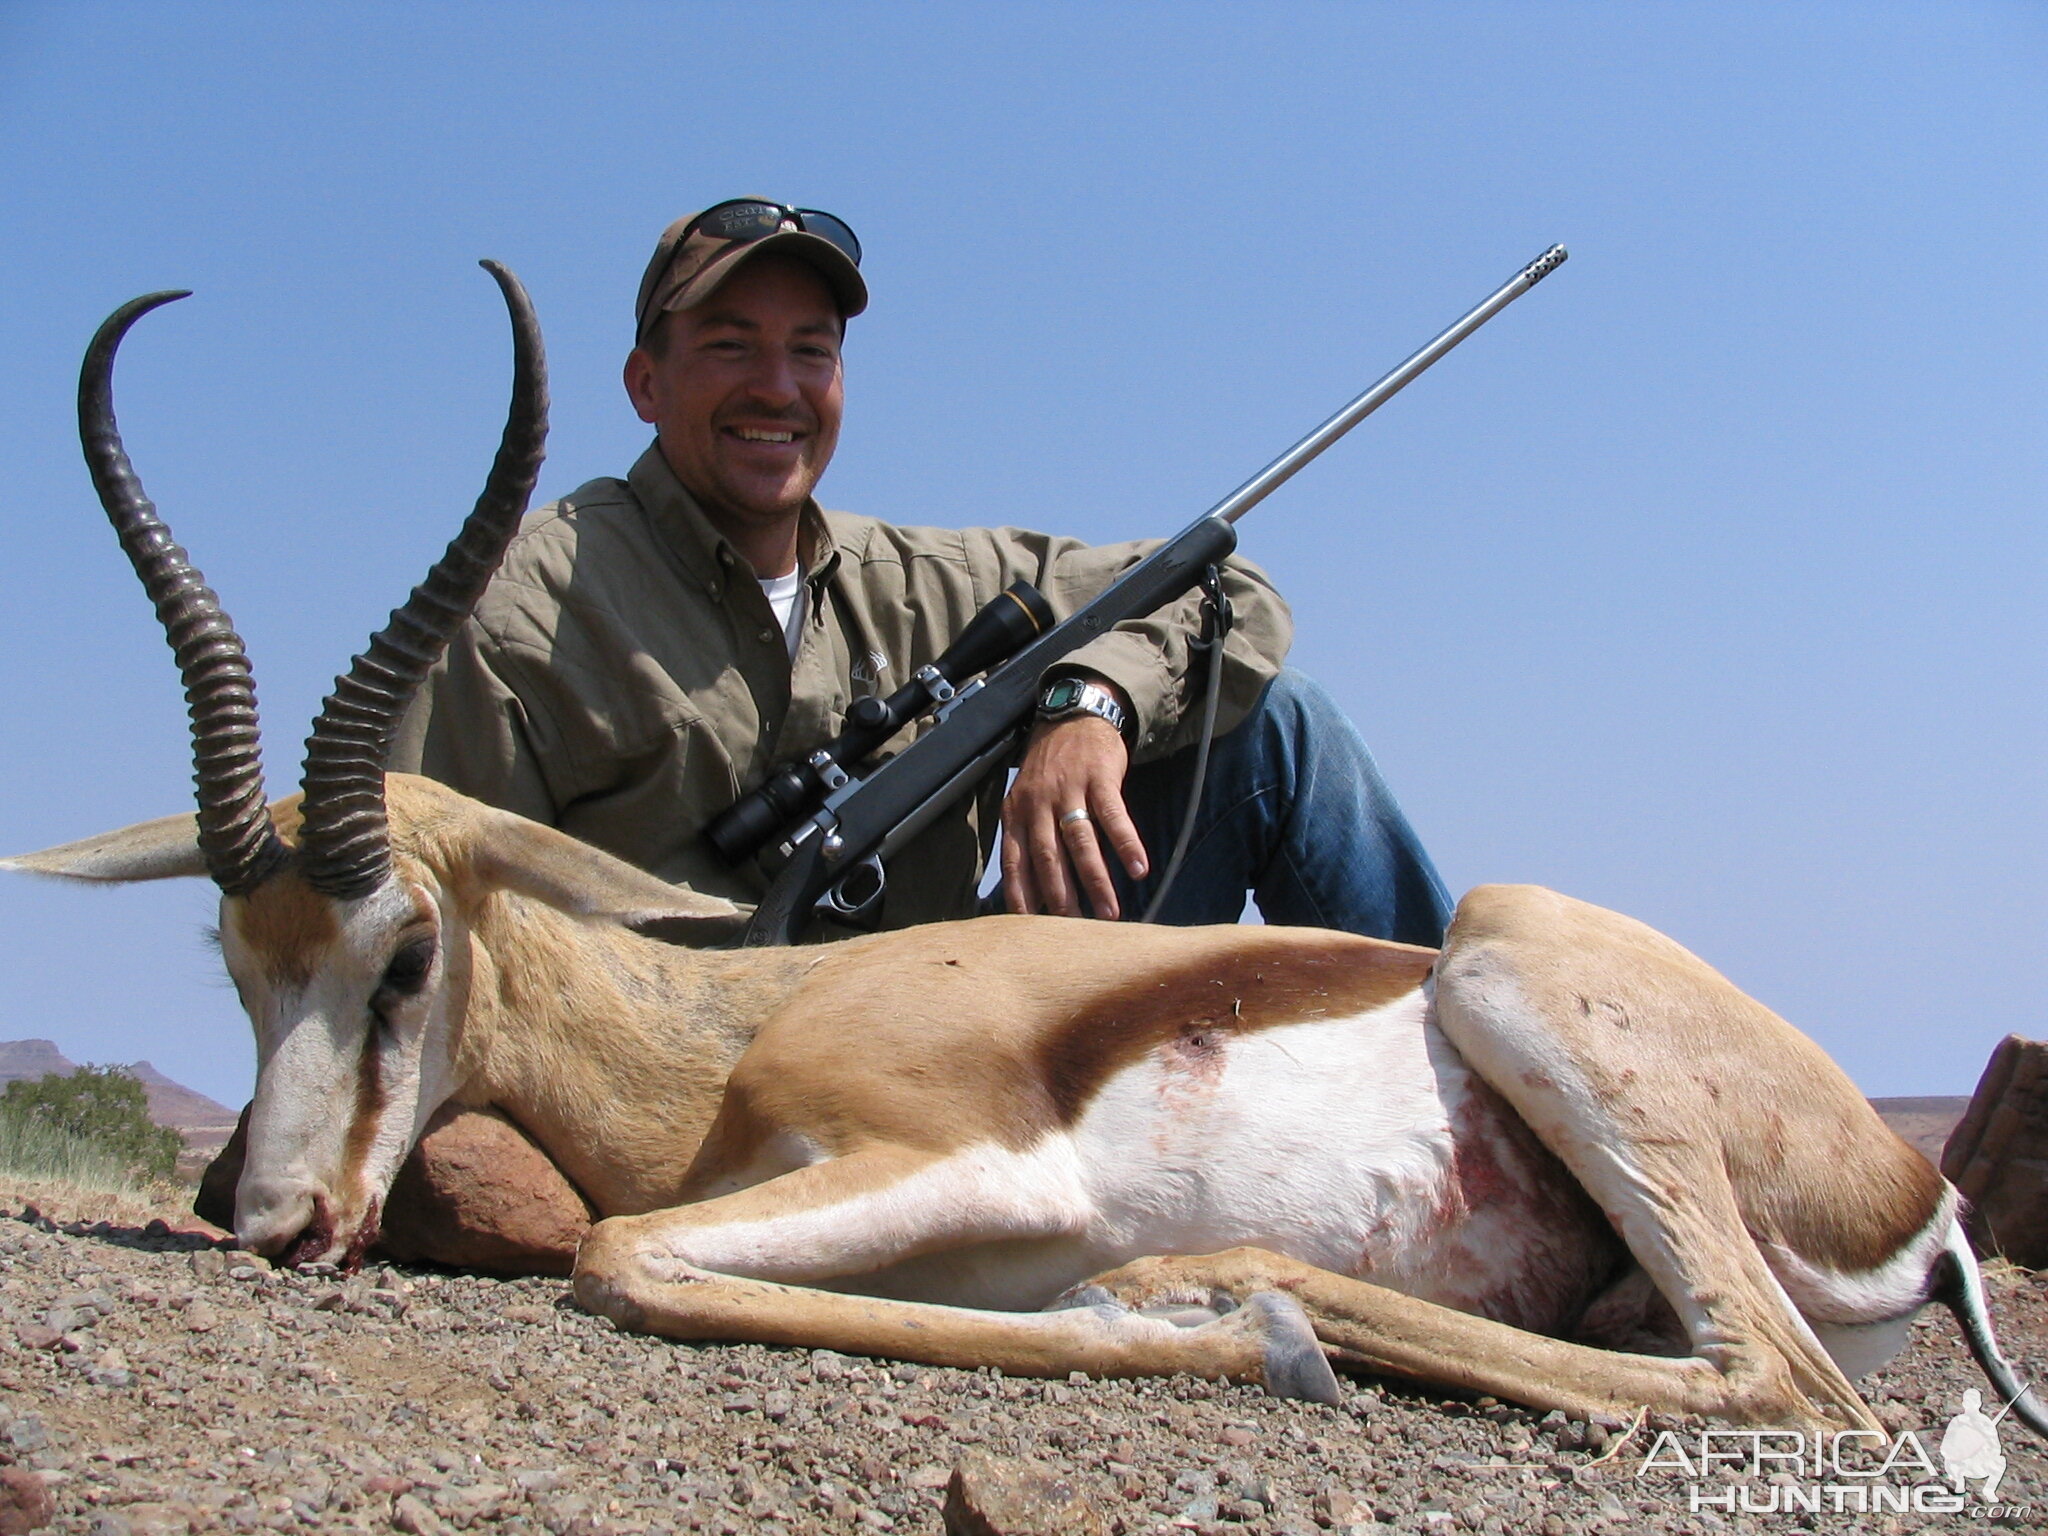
[207, 1264]
[215, 1200]
[202, 1317]
[26, 1434]
[1341, 1510]
[479, 1193]
[25, 1502]
[413, 1517]
[991, 1496]
[476, 1193]
[1998, 1154]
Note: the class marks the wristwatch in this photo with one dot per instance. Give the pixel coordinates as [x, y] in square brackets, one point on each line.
[1066, 697]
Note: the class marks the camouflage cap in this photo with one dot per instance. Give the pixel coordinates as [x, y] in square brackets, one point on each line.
[697, 253]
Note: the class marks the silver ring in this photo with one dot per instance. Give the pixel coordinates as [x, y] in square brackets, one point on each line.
[1078, 813]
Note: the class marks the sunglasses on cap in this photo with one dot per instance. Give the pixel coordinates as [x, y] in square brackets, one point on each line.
[744, 219]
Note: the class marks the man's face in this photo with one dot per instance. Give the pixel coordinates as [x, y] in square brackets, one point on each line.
[745, 398]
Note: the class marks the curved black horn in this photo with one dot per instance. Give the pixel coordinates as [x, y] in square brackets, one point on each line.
[241, 847]
[346, 843]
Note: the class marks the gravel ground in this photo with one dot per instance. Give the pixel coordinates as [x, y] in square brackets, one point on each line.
[158, 1383]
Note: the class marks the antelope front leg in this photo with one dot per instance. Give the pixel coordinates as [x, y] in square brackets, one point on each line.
[1375, 1329]
[720, 1270]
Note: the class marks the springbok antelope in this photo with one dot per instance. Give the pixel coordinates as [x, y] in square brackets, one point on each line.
[1475, 1167]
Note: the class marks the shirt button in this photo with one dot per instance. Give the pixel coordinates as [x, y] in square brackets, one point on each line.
[767, 636]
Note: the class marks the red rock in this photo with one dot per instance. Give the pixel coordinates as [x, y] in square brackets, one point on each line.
[479, 1193]
[476, 1193]
[1998, 1154]
[25, 1502]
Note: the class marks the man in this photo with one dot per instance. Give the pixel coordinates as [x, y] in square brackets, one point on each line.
[653, 646]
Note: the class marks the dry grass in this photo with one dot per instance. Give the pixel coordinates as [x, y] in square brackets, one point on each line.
[134, 1205]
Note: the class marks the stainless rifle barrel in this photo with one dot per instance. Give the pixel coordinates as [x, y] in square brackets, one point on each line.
[1275, 474]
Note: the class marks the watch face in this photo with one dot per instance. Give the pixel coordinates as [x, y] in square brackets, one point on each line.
[1064, 694]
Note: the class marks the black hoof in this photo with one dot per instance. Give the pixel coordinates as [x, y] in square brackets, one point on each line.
[1295, 1365]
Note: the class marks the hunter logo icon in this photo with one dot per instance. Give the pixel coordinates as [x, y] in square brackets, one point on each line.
[869, 668]
[1969, 1446]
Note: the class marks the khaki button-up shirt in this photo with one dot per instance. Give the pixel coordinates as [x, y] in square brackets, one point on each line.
[625, 679]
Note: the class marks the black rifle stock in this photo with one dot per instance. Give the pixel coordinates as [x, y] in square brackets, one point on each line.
[835, 855]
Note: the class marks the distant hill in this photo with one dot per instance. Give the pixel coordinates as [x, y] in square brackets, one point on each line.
[1925, 1122]
[200, 1120]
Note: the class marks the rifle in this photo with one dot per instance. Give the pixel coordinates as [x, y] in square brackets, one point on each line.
[829, 834]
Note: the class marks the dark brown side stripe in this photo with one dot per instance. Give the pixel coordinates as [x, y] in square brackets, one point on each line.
[1288, 976]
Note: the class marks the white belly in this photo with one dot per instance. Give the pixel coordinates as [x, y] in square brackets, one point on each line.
[1362, 1145]
[1329, 1141]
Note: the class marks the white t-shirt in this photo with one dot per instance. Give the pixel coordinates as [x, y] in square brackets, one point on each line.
[785, 595]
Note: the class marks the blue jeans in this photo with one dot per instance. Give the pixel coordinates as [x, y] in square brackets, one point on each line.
[1294, 811]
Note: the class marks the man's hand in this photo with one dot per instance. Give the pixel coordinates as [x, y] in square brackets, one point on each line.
[1050, 856]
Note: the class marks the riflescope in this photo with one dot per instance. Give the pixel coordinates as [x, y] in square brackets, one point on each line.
[1016, 616]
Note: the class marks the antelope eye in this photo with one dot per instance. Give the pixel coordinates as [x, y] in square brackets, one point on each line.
[407, 972]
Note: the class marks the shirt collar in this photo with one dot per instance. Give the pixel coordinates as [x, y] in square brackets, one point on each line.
[705, 552]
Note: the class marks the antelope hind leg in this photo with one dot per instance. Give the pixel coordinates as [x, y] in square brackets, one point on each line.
[1699, 1122]
[720, 1270]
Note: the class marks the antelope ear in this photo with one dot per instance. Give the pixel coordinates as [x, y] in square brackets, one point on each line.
[553, 867]
[165, 849]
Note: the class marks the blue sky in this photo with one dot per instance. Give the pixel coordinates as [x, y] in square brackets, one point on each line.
[1705, 583]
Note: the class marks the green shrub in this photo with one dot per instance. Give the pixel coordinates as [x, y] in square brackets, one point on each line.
[90, 1127]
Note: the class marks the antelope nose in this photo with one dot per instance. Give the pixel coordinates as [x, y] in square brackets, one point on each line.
[270, 1212]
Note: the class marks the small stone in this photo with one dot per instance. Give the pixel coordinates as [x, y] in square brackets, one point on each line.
[1241, 1509]
[27, 1434]
[1335, 1507]
[107, 1523]
[39, 1336]
[1255, 1490]
[414, 1518]
[208, 1264]
[536, 1480]
[1238, 1436]
[741, 1402]
[201, 1317]
[990, 1496]
[930, 1475]
[25, 1502]
[778, 1406]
